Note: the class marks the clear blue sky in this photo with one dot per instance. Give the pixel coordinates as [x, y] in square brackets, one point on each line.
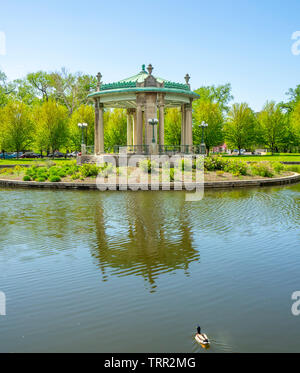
[244, 42]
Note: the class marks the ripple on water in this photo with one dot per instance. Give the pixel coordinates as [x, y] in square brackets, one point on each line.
[148, 266]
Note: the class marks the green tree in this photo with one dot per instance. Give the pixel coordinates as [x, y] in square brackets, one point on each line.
[220, 94]
[115, 128]
[71, 90]
[239, 129]
[17, 126]
[84, 114]
[210, 113]
[295, 124]
[41, 84]
[6, 89]
[273, 125]
[173, 126]
[51, 126]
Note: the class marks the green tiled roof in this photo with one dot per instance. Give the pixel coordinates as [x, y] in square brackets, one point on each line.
[132, 81]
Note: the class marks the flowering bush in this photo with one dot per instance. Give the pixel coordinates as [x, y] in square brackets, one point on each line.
[236, 167]
[214, 163]
[263, 169]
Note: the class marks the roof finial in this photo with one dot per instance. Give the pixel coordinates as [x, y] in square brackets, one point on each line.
[150, 69]
[143, 67]
[99, 76]
[187, 78]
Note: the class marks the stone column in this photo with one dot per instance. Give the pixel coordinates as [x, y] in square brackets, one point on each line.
[139, 126]
[189, 128]
[134, 127]
[129, 127]
[183, 138]
[96, 130]
[150, 112]
[161, 123]
[145, 134]
[101, 129]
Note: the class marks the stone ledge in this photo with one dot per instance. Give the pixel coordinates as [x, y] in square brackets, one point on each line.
[188, 186]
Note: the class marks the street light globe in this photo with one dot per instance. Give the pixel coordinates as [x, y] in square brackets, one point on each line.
[152, 121]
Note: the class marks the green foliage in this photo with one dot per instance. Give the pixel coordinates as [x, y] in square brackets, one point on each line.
[54, 179]
[26, 178]
[273, 125]
[88, 170]
[239, 130]
[214, 163]
[210, 113]
[263, 169]
[41, 179]
[172, 126]
[236, 167]
[17, 127]
[84, 114]
[220, 95]
[292, 168]
[172, 174]
[277, 167]
[51, 121]
[147, 166]
[185, 165]
[115, 128]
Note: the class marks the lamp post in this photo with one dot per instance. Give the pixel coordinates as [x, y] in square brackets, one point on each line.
[153, 122]
[82, 126]
[202, 146]
[83, 147]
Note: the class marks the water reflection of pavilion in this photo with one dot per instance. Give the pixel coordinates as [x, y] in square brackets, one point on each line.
[135, 237]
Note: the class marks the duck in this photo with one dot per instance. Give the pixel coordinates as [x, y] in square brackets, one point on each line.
[201, 338]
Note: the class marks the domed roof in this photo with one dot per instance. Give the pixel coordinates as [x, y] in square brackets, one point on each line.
[123, 92]
[140, 77]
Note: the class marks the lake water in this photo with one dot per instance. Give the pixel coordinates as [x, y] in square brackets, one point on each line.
[89, 271]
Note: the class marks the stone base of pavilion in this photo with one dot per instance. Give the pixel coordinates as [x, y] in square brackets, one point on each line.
[119, 160]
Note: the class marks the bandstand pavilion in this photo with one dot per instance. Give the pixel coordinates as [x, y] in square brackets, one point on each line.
[145, 97]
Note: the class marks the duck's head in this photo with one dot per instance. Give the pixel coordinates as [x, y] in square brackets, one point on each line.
[198, 329]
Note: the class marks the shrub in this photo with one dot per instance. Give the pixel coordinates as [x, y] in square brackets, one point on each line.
[277, 167]
[17, 169]
[75, 176]
[292, 168]
[61, 173]
[87, 170]
[236, 167]
[41, 179]
[214, 163]
[220, 173]
[263, 169]
[27, 178]
[172, 174]
[54, 178]
[148, 166]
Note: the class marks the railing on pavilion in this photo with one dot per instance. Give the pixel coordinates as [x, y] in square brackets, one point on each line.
[162, 149]
[145, 149]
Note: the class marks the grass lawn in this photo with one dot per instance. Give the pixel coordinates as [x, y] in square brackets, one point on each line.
[282, 157]
[33, 160]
